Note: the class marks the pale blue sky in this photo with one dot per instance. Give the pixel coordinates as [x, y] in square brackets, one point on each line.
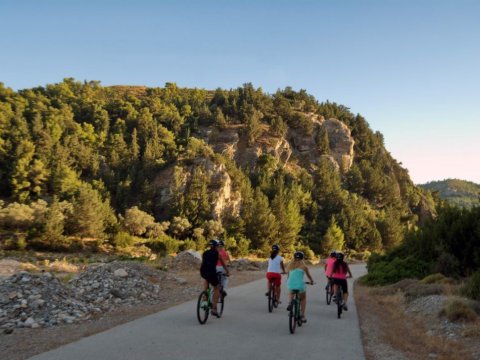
[412, 68]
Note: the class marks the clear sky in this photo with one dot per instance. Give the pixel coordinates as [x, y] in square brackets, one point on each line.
[411, 67]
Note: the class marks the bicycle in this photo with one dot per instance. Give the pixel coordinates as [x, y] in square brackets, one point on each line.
[204, 303]
[294, 315]
[272, 296]
[339, 301]
[329, 290]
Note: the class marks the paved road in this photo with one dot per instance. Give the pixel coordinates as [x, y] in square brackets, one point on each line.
[246, 331]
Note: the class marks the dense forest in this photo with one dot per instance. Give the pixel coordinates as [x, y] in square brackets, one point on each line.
[457, 192]
[136, 167]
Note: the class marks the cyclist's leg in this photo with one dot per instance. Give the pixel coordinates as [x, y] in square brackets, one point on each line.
[216, 295]
[345, 291]
[303, 303]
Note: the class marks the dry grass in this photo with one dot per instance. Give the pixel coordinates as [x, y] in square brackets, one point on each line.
[457, 309]
[61, 266]
[397, 330]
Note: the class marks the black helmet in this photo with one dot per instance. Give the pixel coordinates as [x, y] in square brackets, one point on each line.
[221, 243]
[275, 247]
[299, 255]
[340, 256]
[333, 253]
[213, 243]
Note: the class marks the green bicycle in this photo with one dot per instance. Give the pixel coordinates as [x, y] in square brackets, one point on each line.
[294, 315]
[204, 303]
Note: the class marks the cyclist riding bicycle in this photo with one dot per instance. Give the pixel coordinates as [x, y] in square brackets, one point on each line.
[275, 271]
[208, 271]
[340, 271]
[226, 259]
[329, 266]
[297, 270]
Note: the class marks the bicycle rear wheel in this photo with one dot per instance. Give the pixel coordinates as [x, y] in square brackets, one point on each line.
[271, 297]
[328, 292]
[203, 307]
[292, 315]
[339, 304]
[221, 303]
[298, 315]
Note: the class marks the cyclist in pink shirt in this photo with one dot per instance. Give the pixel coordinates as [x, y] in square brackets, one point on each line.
[222, 253]
[329, 267]
[340, 273]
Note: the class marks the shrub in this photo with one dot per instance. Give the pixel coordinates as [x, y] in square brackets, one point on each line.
[458, 310]
[157, 247]
[188, 244]
[16, 242]
[123, 239]
[471, 288]
[434, 279]
[448, 265]
[388, 272]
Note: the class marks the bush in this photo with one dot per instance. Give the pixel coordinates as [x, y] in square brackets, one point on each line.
[471, 288]
[123, 240]
[434, 279]
[458, 310]
[164, 245]
[16, 242]
[188, 244]
[388, 272]
[448, 265]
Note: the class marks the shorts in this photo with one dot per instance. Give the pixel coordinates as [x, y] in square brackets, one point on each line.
[275, 277]
[212, 278]
[343, 283]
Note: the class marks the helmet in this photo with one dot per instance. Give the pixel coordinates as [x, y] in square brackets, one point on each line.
[340, 256]
[213, 243]
[299, 255]
[333, 253]
[221, 243]
[275, 247]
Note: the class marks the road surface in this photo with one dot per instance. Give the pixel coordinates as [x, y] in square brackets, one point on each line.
[246, 331]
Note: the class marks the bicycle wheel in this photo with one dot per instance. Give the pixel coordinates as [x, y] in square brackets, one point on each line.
[339, 304]
[221, 303]
[271, 297]
[292, 321]
[298, 313]
[203, 307]
[328, 292]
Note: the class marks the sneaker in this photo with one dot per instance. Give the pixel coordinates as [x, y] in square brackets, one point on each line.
[304, 319]
[289, 307]
[345, 307]
[214, 313]
[266, 294]
[224, 293]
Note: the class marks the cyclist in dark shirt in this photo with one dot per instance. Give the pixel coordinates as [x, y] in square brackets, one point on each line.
[208, 271]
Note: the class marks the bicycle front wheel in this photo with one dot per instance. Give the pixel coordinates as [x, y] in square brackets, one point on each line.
[203, 307]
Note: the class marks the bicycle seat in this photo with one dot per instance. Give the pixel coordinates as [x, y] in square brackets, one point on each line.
[296, 291]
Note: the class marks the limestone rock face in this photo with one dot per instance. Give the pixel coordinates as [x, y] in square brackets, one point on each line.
[222, 196]
[296, 148]
[341, 143]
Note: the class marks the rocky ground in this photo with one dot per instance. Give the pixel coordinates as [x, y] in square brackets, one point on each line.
[42, 310]
[404, 321]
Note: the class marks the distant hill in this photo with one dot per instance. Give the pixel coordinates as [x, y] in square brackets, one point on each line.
[457, 192]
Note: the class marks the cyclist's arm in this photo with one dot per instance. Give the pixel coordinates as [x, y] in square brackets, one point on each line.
[308, 274]
[283, 267]
[224, 265]
[349, 272]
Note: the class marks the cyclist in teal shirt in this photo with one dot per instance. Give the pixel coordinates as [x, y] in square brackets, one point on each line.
[296, 281]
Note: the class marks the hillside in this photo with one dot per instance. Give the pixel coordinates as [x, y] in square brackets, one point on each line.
[163, 169]
[457, 192]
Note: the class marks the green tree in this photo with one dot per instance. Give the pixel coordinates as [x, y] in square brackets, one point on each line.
[333, 238]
